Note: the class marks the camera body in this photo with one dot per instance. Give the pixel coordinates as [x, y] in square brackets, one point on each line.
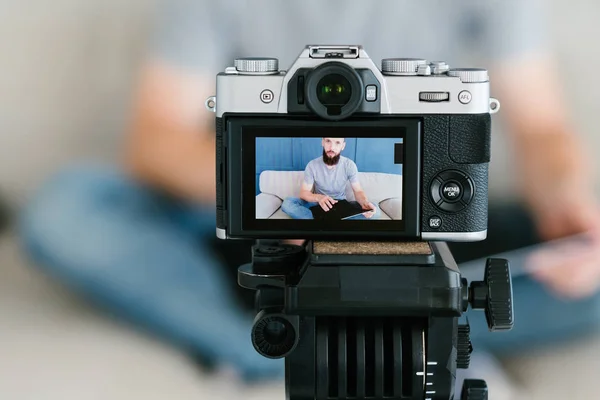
[377, 168]
[411, 140]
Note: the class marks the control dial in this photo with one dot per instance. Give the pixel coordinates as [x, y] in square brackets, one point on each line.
[257, 65]
[434, 97]
[401, 66]
[470, 75]
[452, 191]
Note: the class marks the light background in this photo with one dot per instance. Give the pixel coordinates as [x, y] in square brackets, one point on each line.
[66, 72]
[67, 68]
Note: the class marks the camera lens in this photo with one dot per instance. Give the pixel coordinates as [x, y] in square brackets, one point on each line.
[334, 90]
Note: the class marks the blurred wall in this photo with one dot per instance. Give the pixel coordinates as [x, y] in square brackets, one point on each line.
[67, 66]
[574, 30]
[66, 70]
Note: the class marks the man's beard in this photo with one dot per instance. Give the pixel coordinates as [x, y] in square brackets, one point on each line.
[331, 160]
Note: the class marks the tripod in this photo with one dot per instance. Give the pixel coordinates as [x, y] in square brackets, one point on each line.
[371, 320]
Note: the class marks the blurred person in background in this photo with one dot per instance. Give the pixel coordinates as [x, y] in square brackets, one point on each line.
[139, 238]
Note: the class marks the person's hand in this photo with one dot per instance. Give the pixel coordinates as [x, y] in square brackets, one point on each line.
[368, 206]
[559, 191]
[570, 269]
[327, 203]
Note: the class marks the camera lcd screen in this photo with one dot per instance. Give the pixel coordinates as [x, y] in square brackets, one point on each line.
[329, 179]
[322, 179]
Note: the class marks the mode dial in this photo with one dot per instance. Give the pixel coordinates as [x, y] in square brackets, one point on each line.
[257, 65]
[401, 66]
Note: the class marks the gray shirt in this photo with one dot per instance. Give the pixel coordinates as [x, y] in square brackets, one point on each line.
[331, 182]
[207, 35]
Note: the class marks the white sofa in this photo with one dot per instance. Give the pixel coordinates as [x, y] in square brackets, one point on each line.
[382, 189]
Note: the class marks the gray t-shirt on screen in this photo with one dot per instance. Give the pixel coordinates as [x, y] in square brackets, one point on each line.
[331, 181]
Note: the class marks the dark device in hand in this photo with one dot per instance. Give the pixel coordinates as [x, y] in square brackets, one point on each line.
[366, 309]
[342, 209]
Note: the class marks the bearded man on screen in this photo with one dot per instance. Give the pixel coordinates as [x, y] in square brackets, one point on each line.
[328, 175]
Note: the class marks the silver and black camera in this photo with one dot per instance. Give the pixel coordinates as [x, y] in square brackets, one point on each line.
[408, 143]
[377, 168]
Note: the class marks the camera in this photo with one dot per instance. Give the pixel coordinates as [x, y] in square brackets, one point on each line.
[377, 169]
[408, 143]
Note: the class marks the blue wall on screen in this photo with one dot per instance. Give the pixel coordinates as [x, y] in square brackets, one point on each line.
[292, 154]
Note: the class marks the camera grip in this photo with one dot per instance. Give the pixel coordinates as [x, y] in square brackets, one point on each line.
[439, 156]
[470, 136]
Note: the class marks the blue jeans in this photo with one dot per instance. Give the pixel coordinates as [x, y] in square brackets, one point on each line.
[145, 257]
[149, 258]
[300, 209]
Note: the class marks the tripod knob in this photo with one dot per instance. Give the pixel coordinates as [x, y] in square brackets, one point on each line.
[276, 258]
[474, 389]
[274, 335]
[494, 295]
[464, 347]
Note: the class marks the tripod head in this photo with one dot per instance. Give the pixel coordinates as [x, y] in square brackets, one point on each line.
[371, 320]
